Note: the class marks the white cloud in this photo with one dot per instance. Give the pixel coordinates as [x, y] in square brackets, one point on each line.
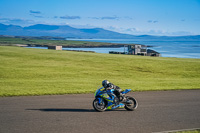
[105, 17]
[17, 21]
[152, 21]
[137, 31]
[111, 18]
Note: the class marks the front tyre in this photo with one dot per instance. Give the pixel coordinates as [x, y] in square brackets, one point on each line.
[131, 103]
[99, 106]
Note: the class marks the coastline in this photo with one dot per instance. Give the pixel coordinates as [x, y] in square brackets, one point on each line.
[176, 48]
[109, 45]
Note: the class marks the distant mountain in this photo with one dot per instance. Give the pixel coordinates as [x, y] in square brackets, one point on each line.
[66, 31]
[59, 31]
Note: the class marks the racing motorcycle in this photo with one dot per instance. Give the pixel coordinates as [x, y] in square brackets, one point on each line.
[104, 101]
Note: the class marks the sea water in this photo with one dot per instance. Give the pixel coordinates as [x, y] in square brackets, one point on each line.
[179, 49]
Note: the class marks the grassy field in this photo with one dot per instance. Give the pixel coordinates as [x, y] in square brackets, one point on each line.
[9, 41]
[25, 71]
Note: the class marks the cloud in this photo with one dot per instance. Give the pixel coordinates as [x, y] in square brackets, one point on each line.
[37, 16]
[35, 12]
[131, 30]
[152, 21]
[181, 33]
[106, 17]
[82, 26]
[69, 17]
[94, 17]
[136, 31]
[111, 18]
[126, 17]
[17, 21]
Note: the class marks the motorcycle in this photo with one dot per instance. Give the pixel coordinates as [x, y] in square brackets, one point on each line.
[104, 101]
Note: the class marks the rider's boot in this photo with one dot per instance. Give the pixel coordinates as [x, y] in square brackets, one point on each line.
[120, 97]
[115, 102]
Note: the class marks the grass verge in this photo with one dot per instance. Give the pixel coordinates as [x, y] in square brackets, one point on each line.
[189, 131]
[26, 71]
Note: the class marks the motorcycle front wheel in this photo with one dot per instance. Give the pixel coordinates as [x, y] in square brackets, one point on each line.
[99, 106]
[131, 103]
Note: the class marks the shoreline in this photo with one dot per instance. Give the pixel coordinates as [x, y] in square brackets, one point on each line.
[80, 46]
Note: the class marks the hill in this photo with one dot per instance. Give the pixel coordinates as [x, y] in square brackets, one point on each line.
[66, 31]
[59, 31]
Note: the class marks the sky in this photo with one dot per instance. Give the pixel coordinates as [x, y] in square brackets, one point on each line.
[136, 17]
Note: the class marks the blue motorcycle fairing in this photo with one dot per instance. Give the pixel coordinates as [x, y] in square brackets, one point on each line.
[104, 94]
[99, 100]
[111, 90]
[126, 91]
[112, 106]
[98, 91]
[101, 94]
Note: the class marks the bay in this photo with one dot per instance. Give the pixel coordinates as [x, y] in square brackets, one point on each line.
[179, 49]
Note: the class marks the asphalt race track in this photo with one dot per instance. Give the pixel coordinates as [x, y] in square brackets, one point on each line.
[157, 111]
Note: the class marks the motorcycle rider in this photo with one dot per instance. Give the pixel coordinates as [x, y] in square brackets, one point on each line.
[117, 91]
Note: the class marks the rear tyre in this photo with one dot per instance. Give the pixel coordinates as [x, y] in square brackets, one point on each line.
[99, 106]
[131, 104]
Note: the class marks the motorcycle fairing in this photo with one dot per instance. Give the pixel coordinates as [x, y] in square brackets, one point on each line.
[112, 106]
[98, 91]
[126, 91]
[106, 97]
[103, 94]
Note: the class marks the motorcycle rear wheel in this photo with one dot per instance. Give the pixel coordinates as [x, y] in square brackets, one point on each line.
[131, 104]
[99, 106]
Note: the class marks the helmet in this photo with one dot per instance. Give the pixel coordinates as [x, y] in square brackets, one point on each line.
[110, 85]
[105, 83]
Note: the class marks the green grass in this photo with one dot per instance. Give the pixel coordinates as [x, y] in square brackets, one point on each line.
[9, 41]
[191, 131]
[25, 71]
